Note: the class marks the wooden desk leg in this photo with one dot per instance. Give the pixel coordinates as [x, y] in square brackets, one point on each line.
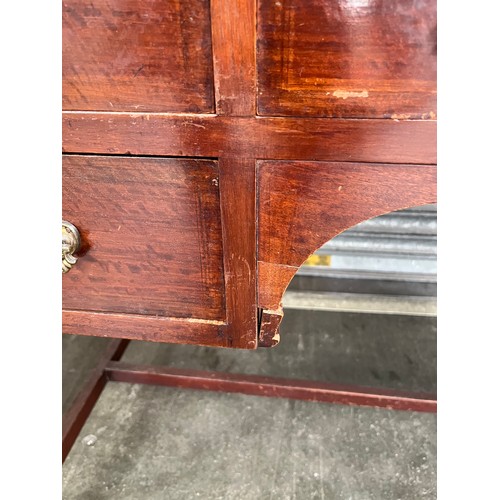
[110, 368]
[74, 419]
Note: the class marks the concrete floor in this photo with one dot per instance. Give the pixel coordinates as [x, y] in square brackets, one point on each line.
[144, 442]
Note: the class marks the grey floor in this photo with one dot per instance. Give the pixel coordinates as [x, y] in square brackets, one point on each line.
[144, 442]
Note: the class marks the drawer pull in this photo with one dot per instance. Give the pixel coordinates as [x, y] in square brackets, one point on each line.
[70, 245]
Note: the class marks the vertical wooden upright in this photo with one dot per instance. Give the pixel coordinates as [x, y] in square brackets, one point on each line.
[233, 45]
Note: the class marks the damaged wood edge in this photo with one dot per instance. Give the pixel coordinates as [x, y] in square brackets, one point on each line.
[270, 321]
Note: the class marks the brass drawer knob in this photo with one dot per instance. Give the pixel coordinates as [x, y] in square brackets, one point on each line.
[70, 245]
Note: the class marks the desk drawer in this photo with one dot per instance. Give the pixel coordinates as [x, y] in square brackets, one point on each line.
[137, 55]
[151, 236]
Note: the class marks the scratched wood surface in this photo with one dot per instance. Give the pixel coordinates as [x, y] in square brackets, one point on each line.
[279, 138]
[200, 79]
[362, 59]
[152, 236]
[137, 55]
[301, 205]
[143, 327]
[239, 221]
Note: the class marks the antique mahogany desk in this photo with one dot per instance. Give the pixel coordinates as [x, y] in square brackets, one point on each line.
[210, 146]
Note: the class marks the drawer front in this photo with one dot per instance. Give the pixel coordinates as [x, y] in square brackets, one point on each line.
[349, 59]
[137, 55]
[151, 231]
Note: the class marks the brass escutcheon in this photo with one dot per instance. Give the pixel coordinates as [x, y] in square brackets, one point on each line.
[70, 245]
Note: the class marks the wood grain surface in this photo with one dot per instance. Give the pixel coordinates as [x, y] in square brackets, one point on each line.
[143, 327]
[302, 205]
[239, 222]
[233, 35]
[153, 232]
[137, 55]
[272, 282]
[356, 59]
[213, 145]
[74, 419]
[382, 141]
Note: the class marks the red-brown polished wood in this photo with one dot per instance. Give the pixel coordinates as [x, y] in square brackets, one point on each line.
[150, 328]
[137, 55]
[344, 58]
[301, 205]
[233, 35]
[257, 385]
[373, 60]
[382, 141]
[170, 249]
[273, 281]
[154, 231]
[238, 213]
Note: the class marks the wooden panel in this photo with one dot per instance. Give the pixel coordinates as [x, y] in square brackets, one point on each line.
[301, 205]
[281, 138]
[347, 58]
[152, 236]
[137, 55]
[233, 33]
